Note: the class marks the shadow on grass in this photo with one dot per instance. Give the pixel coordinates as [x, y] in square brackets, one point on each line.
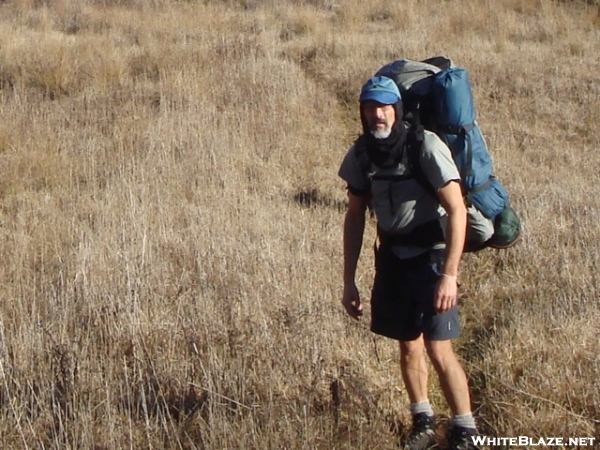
[312, 198]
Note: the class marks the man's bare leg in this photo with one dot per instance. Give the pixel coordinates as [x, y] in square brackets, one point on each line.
[414, 369]
[453, 380]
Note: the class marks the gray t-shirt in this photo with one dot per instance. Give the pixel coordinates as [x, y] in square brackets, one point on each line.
[401, 205]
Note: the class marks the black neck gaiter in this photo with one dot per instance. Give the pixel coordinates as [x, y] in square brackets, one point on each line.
[386, 153]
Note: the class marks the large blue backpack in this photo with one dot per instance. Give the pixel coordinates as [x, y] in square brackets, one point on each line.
[437, 96]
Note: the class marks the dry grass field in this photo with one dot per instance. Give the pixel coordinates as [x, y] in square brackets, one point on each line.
[171, 219]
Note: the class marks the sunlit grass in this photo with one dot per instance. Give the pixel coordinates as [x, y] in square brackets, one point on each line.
[170, 222]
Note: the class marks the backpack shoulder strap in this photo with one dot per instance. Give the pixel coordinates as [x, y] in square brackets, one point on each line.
[362, 157]
[415, 140]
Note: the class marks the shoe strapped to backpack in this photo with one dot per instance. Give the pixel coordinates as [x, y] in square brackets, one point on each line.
[507, 228]
[422, 434]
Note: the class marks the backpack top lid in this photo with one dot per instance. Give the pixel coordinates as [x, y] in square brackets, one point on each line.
[413, 75]
[414, 80]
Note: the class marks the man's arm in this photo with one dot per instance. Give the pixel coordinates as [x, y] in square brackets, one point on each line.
[451, 199]
[354, 227]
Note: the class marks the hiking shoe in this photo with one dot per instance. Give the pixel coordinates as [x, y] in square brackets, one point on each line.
[459, 438]
[422, 434]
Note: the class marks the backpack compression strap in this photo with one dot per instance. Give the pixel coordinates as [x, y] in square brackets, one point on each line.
[464, 131]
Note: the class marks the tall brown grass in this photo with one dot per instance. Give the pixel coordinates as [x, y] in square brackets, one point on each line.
[170, 221]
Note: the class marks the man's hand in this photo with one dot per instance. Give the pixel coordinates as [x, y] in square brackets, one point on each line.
[351, 301]
[354, 227]
[446, 294]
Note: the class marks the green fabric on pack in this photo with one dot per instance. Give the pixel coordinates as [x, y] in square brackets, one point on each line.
[507, 228]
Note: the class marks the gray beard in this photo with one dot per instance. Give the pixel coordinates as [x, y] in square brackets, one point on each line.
[382, 133]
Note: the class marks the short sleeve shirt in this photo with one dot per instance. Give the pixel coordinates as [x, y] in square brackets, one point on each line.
[403, 203]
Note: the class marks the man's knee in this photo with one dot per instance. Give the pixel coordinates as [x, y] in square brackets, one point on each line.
[440, 353]
[412, 349]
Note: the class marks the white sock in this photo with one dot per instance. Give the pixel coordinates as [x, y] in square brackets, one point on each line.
[463, 421]
[421, 407]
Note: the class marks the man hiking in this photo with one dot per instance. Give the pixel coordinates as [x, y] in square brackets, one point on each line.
[421, 238]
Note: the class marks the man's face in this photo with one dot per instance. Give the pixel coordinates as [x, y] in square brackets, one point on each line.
[380, 118]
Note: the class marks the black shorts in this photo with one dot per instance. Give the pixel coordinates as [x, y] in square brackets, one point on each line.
[402, 300]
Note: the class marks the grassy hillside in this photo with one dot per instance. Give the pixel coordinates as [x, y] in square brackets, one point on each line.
[171, 218]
